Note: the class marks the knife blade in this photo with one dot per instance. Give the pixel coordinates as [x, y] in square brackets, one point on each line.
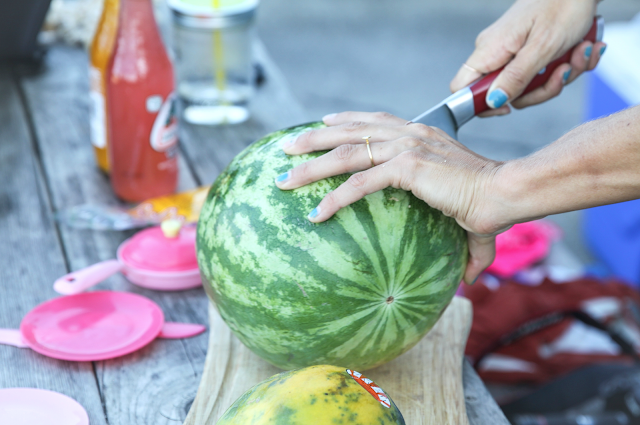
[457, 109]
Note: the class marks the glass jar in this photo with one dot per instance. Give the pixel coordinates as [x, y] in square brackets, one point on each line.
[214, 62]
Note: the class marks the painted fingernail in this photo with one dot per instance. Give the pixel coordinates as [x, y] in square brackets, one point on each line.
[474, 280]
[329, 117]
[289, 142]
[282, 177]
[314, 212]
[565, 76]
[602, 49]
[587, 52]
[497, 98]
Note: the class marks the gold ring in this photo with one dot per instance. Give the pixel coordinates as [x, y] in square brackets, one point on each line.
[470, 68]
[369, 150]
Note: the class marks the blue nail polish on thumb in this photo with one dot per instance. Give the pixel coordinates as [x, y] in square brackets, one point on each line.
[565, 76]
[602, 49]
[497, 98]
[282, 177]
[314, 213]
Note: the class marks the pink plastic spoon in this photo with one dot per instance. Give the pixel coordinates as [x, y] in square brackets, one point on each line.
[94, 326]
[33, 406]
[151, 258]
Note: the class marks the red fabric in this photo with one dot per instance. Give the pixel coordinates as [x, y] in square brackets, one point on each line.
[497, 313]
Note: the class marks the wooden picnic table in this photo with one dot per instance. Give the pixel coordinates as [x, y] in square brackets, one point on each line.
[46, 165]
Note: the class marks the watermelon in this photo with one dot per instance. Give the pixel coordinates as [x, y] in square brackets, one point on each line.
[320, 395]
[357, 290]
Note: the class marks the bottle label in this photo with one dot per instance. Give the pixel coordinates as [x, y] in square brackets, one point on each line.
[164, 133]
[98, 117]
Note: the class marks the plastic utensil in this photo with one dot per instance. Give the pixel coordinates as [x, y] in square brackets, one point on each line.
[149, 259]
[33, 406]
[174, 330]
[94, 326]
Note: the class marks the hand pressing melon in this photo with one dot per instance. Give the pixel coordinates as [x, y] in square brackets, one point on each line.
[318, 395]
[357, 290]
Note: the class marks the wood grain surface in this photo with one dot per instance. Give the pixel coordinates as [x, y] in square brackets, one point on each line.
[47, 164]
[425, 382]
[157, 384]
[154, 384]
[31, 258]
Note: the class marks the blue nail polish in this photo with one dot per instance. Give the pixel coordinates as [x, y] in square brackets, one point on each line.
[289, 142]
[602, 49]
[475, 280]
[587, 52]
[314, 213]
[497, 98]
[282, 177]
[565, 76]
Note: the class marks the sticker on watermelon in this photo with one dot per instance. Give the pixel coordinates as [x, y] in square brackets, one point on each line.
[371, 387]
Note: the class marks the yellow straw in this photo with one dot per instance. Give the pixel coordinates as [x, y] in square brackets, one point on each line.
[218, 54]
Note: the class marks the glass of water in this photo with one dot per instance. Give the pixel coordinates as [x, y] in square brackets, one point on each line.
[212, 43]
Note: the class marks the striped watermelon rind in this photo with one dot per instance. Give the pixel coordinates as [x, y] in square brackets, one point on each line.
[357, 290]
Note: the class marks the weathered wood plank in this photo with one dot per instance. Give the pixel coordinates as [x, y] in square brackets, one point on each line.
[481, 407]
[157, 384]
[31, 259]
[230, 369]
[146, 387]
[425, 382]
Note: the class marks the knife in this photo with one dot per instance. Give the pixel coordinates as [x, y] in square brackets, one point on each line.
[450, 114]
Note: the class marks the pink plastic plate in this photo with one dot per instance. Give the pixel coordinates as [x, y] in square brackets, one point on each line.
[92, 326]
[32, 406]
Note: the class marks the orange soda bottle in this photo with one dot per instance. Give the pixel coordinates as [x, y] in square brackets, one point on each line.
[99, 55]
[141, 117]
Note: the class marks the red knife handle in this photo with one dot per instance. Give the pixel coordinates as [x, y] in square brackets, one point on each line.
[480, 87]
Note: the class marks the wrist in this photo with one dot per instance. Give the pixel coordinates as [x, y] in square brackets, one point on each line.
[496, 204]
[515, 192]
[549, 181]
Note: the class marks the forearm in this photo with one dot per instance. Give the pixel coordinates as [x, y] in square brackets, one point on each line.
[595, 164]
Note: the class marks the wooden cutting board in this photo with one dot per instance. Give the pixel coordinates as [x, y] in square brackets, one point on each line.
[425, 382]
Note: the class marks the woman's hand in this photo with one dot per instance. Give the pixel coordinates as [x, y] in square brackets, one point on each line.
[416, 158]
[531, 34]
